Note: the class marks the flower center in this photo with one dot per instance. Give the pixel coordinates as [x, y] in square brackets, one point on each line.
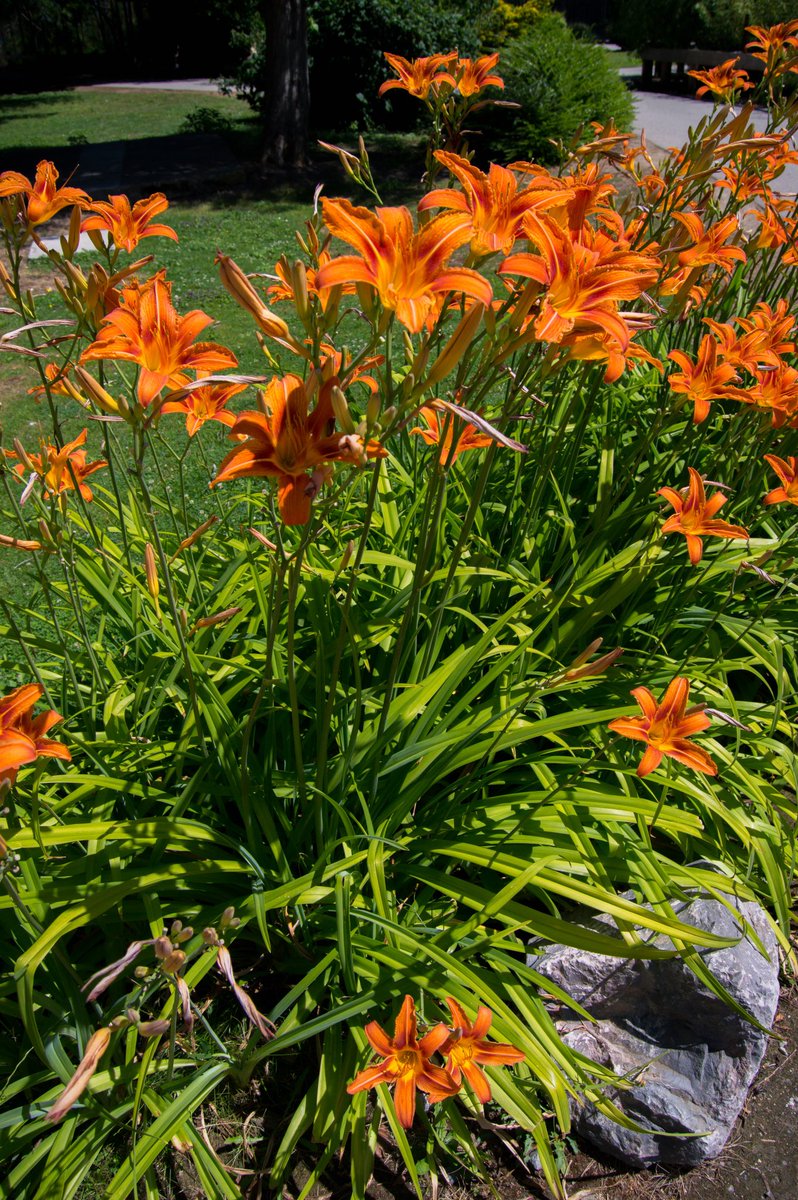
[407, 1062]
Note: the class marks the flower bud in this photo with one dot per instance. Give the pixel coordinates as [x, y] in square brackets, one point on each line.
[173, 962]
[458, 343]
[95, 392]
[148, 1029]
[162, 947]
[153, 586]
[195, 536]
[373, 409]
[238, 285]
[299, 281]
[217, 618]
[341, 410]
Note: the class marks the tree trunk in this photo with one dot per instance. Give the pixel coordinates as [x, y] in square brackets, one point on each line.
[287, 88]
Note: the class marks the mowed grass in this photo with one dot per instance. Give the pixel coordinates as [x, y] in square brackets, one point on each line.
[53, 119]
[622, 58]
[255, 233]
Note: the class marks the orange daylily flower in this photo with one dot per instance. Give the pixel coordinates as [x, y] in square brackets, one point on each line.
[466, 1048]
[44, 197]
[768, 44]
[475, 75]
[778, 228]
[707, 246]
[585, 280]
[787, 471]
[420, 75]
[745, 184]
[665, 728]
[59, 468]
[724, 80]
[705, 379]
[694, 516]
[55, 374]
[289, 442]
[492, 205]
[777, 391]
[468, 439]
[147, 330]
[603, 347]
[406, 267]
[22, 736]
[773, 327]
[127, 225]
[208, 403]
[406, 1063]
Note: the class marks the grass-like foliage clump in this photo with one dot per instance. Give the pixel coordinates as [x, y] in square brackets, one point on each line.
[483, 623]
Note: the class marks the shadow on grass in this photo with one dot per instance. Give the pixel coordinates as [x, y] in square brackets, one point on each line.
[16, 106]
[223, 169]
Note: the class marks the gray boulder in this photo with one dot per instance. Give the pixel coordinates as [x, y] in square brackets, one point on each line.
[691, 1059]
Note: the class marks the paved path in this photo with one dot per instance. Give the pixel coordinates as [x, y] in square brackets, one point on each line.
[667, 119]
[168, 85]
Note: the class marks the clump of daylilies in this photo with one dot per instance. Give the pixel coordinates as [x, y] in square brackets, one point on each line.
[475, 308]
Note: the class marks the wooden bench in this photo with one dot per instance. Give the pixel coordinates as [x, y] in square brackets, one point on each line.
[664, 60]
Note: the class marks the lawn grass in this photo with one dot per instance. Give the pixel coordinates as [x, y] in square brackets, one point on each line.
[622, 58]
[85, 115]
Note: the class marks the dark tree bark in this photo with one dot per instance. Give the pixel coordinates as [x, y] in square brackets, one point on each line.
[287, 88]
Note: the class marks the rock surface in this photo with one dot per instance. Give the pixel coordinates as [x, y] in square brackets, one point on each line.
[690, 1057]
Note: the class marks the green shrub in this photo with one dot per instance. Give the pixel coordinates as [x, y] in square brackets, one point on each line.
[560, 83]
[509, 19]
[205, 120]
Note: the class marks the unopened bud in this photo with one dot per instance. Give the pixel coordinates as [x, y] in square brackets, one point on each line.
[185, 935]
[341, 410]
[22, 455]
[373, 409]
[238, 285]
[458, 343]
[349, 550]
[217, 618]
[72, 240]
[299, 280]
[7, 282]
[148, 1029]
[228, 918]
[162, 947]
[19, 543]
[51, 540]
[173, 962]
[95, 392]
[367, 298]
[195, 536]
[153, 586]
[210, 937]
